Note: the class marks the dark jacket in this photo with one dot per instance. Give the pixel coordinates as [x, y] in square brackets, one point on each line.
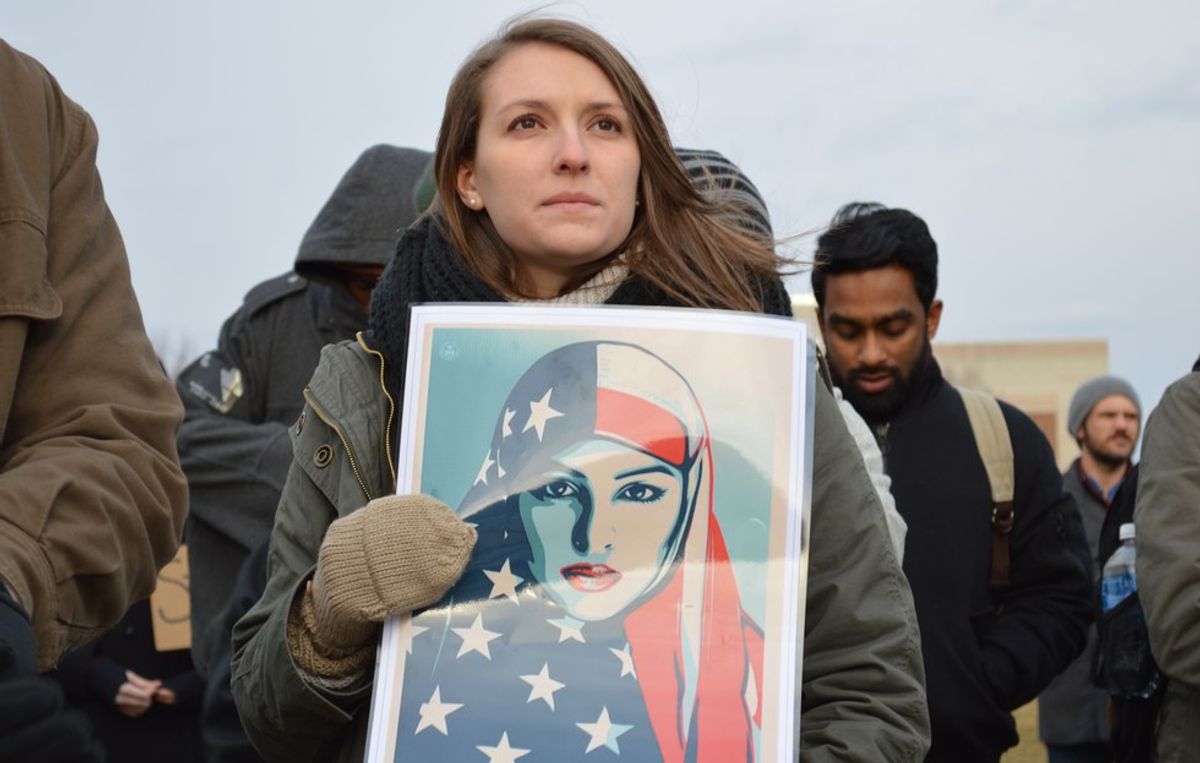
[92, 674]
[1072, 709]
[91, 496]
[981, 662]
[241, 397]
[1133, 718]
[224, 739]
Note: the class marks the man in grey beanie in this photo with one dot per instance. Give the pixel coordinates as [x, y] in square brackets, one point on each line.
[1104, 418]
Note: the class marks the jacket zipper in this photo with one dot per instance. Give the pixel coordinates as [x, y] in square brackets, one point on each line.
[312, 403]
[387, 430]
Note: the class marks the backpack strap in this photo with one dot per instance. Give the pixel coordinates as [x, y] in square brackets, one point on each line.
[995, 448]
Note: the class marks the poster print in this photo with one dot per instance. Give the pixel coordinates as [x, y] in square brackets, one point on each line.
[638, 480]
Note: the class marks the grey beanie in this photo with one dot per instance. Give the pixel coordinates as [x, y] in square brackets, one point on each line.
[1093, 391]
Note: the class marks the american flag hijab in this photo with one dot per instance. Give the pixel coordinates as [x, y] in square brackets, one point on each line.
[685, 648]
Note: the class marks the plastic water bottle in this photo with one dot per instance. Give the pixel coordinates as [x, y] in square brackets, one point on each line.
[1119, 578]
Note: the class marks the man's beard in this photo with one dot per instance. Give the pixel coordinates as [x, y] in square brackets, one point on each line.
[880, 407]
[1105, 454]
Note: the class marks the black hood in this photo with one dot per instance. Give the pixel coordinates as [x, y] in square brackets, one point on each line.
[365, 215]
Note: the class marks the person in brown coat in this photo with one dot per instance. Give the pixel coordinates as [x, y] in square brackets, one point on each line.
[92, 499]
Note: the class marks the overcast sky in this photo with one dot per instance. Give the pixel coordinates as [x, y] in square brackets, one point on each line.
[1053, 147]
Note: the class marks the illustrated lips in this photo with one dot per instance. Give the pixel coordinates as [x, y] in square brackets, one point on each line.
[590, 578]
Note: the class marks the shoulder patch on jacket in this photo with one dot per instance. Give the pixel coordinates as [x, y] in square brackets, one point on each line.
[272, 290]
[211, 379]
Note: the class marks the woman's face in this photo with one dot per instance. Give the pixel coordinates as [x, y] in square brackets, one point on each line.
[600, 526]
[556, 162]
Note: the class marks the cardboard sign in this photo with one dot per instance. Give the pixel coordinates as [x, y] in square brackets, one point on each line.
[170, 605]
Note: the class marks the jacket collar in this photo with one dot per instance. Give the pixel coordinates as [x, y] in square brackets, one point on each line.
[1093, 488]
[924, 388]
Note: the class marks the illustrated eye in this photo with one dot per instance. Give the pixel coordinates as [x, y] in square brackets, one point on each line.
[640, 492]
[556, 491]
[524, 122]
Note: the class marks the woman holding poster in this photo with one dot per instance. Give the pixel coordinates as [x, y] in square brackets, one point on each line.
[557, 182]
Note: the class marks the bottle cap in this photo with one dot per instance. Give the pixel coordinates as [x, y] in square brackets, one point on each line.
[1126, 532]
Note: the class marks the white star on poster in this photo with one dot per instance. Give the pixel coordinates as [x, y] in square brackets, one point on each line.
[504, 583]
[543, 686]
[488, 463]
[476, 638]
[539, 413]
[408, 632]
[434, 712]
[506, 427]
[603, 733]
[502, 753]
[568, 629]
[626, 661]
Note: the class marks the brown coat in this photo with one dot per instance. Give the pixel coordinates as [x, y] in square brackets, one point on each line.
[91, 496]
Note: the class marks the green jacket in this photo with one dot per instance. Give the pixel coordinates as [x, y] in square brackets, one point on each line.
[862, 697]
[1167, 515]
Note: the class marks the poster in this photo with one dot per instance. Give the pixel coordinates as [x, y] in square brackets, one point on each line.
[639, 482]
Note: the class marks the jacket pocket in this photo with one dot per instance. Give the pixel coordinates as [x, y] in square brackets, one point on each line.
[25, 290]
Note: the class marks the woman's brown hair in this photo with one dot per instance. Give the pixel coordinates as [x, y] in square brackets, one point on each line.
[681, 242]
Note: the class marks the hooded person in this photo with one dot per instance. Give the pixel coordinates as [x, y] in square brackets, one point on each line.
[241, 397]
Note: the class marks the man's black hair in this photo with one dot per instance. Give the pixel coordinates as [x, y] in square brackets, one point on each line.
[868, 235]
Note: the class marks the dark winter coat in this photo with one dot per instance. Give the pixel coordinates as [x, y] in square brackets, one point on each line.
[224, 739]
[92, 675]
[233, 444]
[984, 657]
[1072, 709]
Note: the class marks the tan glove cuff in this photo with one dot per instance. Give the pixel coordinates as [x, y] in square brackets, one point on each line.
[329, 665]
[394, 555]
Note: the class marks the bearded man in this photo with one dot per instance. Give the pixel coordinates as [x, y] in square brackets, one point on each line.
[987, 649]
[1104, 418]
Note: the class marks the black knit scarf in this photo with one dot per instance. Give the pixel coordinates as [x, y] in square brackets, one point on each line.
[426, 268]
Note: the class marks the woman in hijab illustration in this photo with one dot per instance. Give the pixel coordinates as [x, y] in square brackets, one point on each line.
[601, 582]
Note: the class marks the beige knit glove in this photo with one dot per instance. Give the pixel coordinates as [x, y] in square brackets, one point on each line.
[394, 555]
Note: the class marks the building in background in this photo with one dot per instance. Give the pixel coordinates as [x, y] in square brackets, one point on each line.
[1038, 377]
